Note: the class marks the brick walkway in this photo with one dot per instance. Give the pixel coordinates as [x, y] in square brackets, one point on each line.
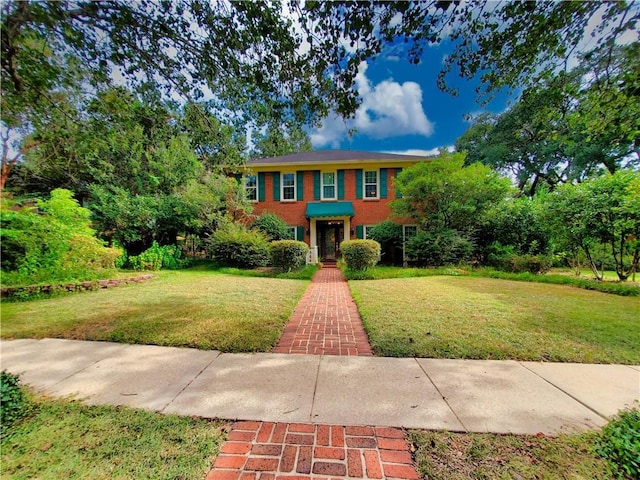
[274, 451]
[326, 320]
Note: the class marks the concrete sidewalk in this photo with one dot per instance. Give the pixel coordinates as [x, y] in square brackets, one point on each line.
[459, 395]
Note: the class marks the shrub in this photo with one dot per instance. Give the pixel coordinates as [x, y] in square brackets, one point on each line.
[536, 264]
[386, 233]
[13, 401]
[619, 444]
[157, 257]
[289, 255]
[52, 243]
[360, 254]
[434, 249]
[273, 227]
[236, 246]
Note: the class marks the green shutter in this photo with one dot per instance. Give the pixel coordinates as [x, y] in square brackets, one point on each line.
[300, 186]
[359, 231]
[276, 186]
[395, 185]
[261, 192]
[359, 183]
[340, 184]
[238, 178]
[300, 233]
[383, 183]
[316, 184]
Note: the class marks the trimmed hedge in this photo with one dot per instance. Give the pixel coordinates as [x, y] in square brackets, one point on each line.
[360, 254]
[289, 255]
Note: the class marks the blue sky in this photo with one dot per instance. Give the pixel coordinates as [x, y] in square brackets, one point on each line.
[403, 110]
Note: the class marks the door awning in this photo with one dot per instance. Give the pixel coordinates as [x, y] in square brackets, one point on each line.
[329, 209]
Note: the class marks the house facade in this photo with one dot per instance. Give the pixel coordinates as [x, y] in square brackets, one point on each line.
[327, 196]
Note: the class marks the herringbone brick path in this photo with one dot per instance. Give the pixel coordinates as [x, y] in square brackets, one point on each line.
[277, 451]
[326, 320]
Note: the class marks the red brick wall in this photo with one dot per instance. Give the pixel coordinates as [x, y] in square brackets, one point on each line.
[367, 212]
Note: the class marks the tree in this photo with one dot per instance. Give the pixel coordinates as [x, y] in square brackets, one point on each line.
[446, 194]
[568, 128]
[603, 210]
[279, 140]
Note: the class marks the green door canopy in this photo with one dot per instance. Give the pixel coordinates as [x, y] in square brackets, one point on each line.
[329, 209]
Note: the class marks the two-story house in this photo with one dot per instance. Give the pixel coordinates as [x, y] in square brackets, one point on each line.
[327, 196]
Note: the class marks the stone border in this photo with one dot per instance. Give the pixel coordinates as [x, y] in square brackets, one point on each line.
[46, 290]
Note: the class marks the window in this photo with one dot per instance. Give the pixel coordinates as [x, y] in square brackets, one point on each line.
[371, 184]
[366, 229]
[408, 231]
[293, 233]
[288, 186]
[329, 186]
[251, 188]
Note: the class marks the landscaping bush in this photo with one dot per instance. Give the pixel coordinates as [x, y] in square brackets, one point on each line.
[53, 242]
[434, 249]
[157, 257]
[536, 264]
[236, 246]
[619, 444]
[13, 401]
[272, 226]
[360, 254]
[289, 255]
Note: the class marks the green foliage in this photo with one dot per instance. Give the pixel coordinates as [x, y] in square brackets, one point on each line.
[235, 245]
[288, 255]
[273, 227]
[13, 402]
[445, 194]
[387, 234]
[156, 257]
[360, 254]
[55, 243]
[619, 444]
[503, 258]
[603, 210]
[437, 248]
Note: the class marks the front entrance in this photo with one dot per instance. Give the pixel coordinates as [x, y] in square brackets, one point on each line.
[329, 235]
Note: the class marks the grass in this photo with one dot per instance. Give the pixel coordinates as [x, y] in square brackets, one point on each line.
[556, 277]
[191, 308]
[64, 440]
[457, 456]
[484, 318]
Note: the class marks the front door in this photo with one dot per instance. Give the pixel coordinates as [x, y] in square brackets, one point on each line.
[330, 234]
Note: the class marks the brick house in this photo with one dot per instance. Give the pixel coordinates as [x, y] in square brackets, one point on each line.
[327, 196]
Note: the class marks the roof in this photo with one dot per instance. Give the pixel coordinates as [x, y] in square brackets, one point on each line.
[329, 209]
[335, 156]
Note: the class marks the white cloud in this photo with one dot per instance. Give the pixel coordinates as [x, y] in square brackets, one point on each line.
[388, 109]
[416, 152]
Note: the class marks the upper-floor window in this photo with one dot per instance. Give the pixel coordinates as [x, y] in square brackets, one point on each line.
[288, 186]
[251, 187]
[329, 186]
[371, 184]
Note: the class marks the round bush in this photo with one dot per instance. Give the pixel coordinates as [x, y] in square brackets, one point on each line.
[237, 246]
[360, 254]
[289, 255]
[272, 226]
[434, 249]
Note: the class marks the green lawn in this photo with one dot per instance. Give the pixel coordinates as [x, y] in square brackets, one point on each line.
[201, 309]
[484, 318]
[64, 440]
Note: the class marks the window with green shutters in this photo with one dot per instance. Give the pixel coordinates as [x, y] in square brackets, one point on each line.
[329, 188]
[251, 187]
[288, 186]
[371, 184]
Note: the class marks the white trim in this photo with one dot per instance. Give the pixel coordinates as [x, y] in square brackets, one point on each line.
[364, 184]
[282, 187]
[246, 189]
[335, 185]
